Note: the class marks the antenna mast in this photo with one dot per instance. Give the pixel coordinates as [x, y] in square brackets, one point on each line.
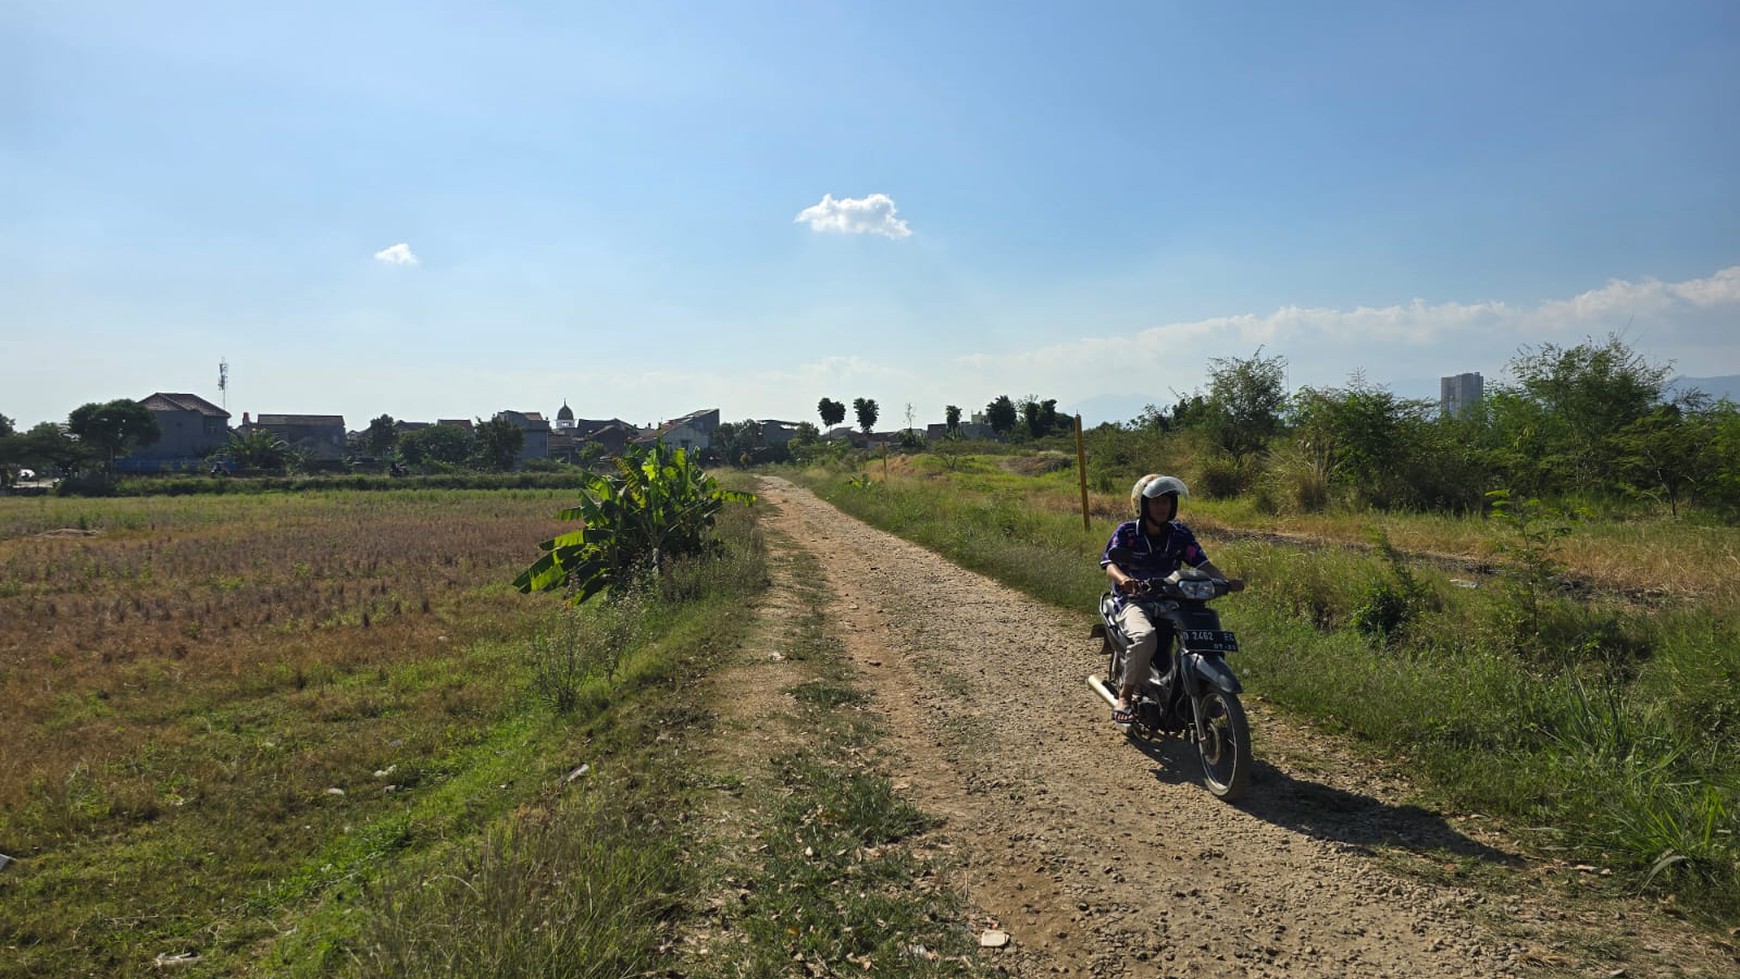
[224, 382]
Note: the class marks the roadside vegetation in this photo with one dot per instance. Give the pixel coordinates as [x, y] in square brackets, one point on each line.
[1540, 636]
[322, 734]
[828, 870]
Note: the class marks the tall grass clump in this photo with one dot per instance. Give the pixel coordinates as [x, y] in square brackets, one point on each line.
[1293, 481]
[579, 891]
[586, 646]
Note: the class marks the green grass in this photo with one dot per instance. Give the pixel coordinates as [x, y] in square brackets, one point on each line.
[1615, 726]
[217, 835]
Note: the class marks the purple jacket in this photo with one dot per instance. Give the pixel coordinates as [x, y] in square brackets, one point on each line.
[1152, 556]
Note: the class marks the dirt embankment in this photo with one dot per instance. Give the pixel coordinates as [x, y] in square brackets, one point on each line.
[1106, 857]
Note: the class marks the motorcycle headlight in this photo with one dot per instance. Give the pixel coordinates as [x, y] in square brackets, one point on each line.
[1196, 588]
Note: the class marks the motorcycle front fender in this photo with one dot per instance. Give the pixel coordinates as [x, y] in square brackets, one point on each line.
[1201, 672]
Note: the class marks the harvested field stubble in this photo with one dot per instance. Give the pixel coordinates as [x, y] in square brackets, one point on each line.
[189, 678]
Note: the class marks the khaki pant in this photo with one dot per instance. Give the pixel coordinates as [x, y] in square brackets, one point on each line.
[1144, 640]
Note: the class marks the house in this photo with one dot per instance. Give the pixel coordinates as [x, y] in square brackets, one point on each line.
[774, 432]
[320, 438]
[693, 431]
[614, 435]
[536, 427]
[966, 430]
[847, 434]
[193, 428]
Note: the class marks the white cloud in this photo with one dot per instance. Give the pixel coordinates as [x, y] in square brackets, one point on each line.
[873, 215]
[1323, 344]
[1723, 288]
[399, 254]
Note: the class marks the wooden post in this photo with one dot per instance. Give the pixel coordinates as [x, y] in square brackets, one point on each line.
[1081, 473]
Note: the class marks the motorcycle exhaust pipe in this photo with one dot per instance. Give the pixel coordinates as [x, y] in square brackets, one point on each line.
[1099, 687]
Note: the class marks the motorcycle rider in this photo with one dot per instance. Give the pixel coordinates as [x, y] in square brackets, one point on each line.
[1151, 546]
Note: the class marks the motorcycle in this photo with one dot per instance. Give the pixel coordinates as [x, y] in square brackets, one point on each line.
[1190, 691]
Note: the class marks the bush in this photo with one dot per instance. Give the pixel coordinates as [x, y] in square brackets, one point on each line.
[1292, 482]
[1221, 477]
[656, 508]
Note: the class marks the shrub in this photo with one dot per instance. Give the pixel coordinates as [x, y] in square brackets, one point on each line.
[1221, 477]
[656, 507]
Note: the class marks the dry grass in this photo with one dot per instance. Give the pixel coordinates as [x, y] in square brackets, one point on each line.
[252, 597]
[183, 680]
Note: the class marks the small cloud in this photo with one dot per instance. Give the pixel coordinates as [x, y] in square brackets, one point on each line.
[873, 215]
[399, 254]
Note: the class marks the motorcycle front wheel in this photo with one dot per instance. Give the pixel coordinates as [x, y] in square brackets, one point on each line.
[1224, 745]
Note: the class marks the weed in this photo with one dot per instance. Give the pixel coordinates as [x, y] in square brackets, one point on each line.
[1392, 603]
[1532, 544]
[578, 891]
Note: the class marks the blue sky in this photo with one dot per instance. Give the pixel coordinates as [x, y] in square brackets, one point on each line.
[654, 207]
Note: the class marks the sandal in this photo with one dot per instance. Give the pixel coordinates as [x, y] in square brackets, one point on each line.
[1123, 715]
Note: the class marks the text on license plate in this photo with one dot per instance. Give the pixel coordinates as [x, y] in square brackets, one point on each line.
[1216, 639]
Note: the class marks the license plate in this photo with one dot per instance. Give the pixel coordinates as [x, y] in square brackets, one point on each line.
[1216, 640]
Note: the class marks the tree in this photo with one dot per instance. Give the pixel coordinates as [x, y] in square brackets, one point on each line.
[258, 449]
[1245, 399]
[832, 412]
[1040, 417]
[1667, 452]
[11, 451]
[1365, 437]
[114, 428]
[446, 445]
[1151, 419]
[382, 435]
[952, 419]
[739, 444]
[497, 444]
[1581, 398]
[866, 410]
[1191, 411]
[47, 447]
[1029, 409]
[1000, 415]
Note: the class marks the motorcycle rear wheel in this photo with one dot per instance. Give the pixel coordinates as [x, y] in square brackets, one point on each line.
[1224, 745]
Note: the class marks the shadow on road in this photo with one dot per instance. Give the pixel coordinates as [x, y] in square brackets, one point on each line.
[1324, 812]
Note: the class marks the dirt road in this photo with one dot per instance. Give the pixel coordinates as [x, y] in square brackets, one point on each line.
[1104, 856]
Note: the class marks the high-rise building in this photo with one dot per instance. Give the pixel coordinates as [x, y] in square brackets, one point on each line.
[1460, 393]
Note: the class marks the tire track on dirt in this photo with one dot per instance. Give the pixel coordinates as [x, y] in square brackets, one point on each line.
[1106, 857]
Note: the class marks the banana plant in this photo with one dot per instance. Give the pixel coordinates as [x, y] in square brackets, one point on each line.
[655, 507]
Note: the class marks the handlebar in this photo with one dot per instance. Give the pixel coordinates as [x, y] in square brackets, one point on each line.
[1172, 588]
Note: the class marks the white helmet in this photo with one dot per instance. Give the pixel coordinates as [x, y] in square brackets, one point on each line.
[1153, 485]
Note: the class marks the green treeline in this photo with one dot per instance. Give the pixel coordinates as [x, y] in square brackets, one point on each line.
[1593, 424]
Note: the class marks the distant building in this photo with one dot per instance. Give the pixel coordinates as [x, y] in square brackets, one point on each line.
[1459, 394]
[193, 428]
[966, 430]
[776, 432]
[693, 431]
[536, 444]
[320, 438]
